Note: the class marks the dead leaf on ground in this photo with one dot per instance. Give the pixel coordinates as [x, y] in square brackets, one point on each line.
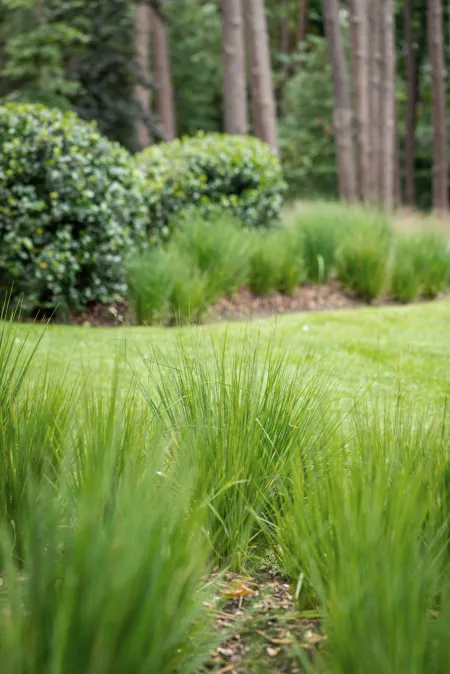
[241, 591]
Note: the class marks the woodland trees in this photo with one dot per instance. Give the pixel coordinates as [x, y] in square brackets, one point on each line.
[369, 124]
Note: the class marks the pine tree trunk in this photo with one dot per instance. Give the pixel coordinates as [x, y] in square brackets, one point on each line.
[440, 141]
[411, 102]
[342, 116]
[142, 54]
[234, 84]
[302, 22]
[375, 38]
[360, 59]
[165, 106]
[263, 101]
[388, 139]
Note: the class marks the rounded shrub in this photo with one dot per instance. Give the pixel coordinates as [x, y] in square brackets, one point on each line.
[71, 203]
[238, 173]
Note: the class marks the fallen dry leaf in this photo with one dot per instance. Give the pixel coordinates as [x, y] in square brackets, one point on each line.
[241, 591]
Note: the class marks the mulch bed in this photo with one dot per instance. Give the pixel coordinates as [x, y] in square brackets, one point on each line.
[260, 628]
[244, 304]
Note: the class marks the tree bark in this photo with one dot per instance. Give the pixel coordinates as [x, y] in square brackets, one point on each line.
[440, 148]
[263, 101]
[342, 116]
[375, 37]
[165, 106]
[411, 106]
[388, 140]
[360, 59]
[302, 22]
[234, 84]
[142, 53]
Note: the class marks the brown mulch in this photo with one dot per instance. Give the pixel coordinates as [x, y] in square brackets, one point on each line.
[102, 315]
[260, 627]
[244, 304]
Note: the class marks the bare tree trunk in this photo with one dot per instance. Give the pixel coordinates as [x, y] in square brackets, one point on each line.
[342, 116]
[142, 54]
[375, 37]
[165, 106]
[360, 59]
[388, 140]
[285, 37]
[285, 51]
[302, 22]
[411, 102]
[440, 148]
[398, 194]
[234, 88]
[263, 100]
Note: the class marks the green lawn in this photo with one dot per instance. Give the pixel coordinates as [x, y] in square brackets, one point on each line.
[382, 347]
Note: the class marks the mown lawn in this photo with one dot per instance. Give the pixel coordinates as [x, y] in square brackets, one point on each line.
[388, 348]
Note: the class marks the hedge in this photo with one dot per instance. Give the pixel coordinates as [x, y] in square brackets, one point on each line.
[238, 173]
[71, 204]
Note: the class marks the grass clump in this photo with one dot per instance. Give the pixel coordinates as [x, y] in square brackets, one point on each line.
[405, 277]
[235, 420]
[320, 229]
[433, 263]
[150, 284]
[421, 266]
[276, 262]
[219, 246]
[166, 287]
[363, 534]
[102, 553]
[363, 257]
[265, 265]
[114, 588]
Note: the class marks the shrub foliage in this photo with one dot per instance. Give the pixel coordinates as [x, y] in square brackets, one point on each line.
[237, 173]
[70, 205]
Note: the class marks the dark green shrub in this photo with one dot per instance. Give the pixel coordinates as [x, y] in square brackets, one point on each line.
[218, 246]
[70, 204]
[405, 278]
[362, 260]
[432, 263]
[238, 173]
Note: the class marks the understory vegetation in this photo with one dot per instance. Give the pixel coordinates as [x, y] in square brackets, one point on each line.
[181, 225]
[118, 502]
[212, 255]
